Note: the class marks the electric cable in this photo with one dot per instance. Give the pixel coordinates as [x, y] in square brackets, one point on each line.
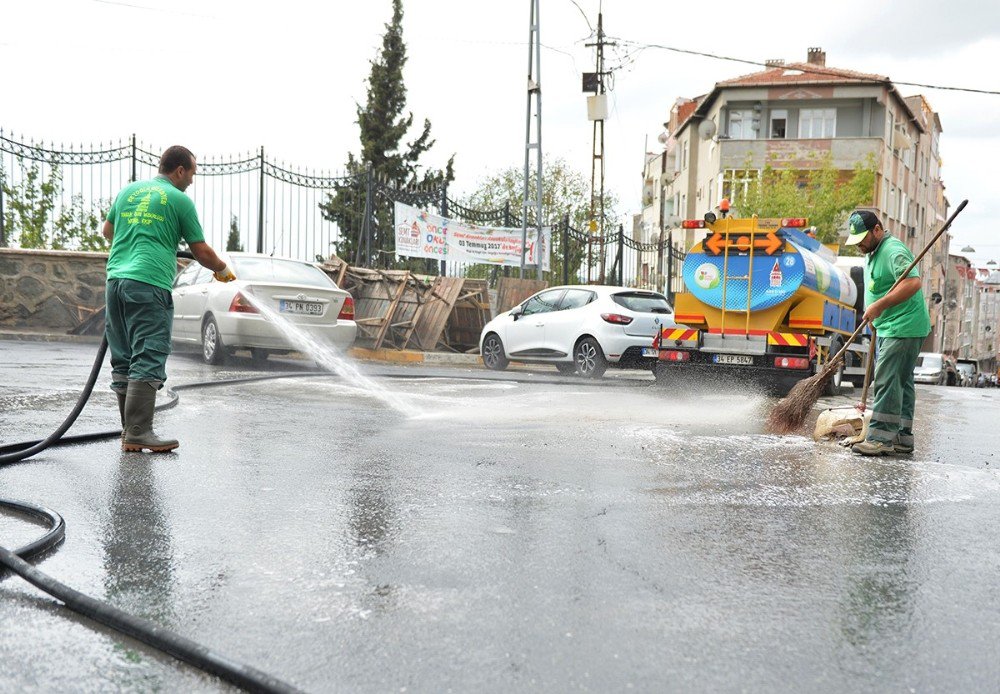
[638, 48]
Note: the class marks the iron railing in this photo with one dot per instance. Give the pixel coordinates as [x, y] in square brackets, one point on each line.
[275, 207]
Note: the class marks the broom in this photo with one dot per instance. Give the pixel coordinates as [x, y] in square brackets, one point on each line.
[789, 414]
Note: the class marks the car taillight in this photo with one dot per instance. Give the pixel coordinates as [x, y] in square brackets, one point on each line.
[347, 310]
[240, 304]
[791, 363]
[674, 355]
[616, 318]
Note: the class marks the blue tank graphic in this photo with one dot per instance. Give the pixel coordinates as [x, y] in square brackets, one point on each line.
[804, 263]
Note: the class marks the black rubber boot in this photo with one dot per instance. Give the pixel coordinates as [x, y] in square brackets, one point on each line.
[139, 404]
[121, 410]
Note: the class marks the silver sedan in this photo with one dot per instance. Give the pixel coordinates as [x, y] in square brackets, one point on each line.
[220, 317]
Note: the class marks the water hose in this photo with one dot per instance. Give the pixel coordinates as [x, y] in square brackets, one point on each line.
[160, 638]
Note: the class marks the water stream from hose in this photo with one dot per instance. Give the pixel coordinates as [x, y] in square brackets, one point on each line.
[328, 357]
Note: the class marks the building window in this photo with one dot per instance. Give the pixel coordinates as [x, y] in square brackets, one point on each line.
[741, 124]
[684, 155]
[817, 123]
[736, 184]
[779, 120]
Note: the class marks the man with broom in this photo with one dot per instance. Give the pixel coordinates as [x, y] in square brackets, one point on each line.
[901, 321]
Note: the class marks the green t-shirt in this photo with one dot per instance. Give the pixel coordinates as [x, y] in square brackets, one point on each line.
[882, 268]
[150, 219]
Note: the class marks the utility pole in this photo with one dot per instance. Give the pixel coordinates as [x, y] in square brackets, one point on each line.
[597, 111]
[534, 94]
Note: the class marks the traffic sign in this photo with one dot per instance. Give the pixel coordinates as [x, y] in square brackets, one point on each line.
[768, 243]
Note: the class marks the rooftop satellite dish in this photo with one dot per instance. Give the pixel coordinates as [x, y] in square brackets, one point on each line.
[663, 137]
[706, 129]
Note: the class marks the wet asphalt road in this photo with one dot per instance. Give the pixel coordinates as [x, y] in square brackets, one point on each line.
[542, 534]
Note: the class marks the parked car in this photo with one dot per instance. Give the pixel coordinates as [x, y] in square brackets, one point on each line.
[935, 368]
[581, 329]
[220, 317]
[968, 372]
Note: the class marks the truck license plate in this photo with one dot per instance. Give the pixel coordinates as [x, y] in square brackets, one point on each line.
[310, 308]
[650, 352]
[738, 359]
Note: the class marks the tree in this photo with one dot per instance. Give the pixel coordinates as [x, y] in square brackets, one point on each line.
[233, 240]
[30, 213]
[824, 194]
[383, 155]
[565, 191]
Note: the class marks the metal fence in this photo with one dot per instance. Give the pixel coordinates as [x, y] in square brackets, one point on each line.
[62, 193]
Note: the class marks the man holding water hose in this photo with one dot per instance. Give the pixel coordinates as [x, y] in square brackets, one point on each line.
[145, 225]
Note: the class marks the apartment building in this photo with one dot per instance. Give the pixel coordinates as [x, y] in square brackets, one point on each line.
[789, 115]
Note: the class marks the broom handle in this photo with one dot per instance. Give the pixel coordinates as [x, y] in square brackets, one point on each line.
[868, 371]
[843, 350]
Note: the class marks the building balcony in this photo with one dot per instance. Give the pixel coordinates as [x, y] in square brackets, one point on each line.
[799, 154]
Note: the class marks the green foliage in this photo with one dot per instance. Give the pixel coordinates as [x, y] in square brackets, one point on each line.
[233, 240]
[822, 193]
[383, 155]
[30, 213]
[565, 191]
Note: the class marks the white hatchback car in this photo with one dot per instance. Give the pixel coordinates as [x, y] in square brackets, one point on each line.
[219, 317]
[578, 328]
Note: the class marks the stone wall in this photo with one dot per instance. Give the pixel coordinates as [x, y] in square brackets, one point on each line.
[49, 290]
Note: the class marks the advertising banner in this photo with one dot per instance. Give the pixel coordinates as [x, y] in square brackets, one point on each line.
[420, 234]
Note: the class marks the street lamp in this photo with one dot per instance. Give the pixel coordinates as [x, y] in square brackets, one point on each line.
[968, 249]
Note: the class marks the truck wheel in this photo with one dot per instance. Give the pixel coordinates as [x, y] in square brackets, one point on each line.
[660, 374]
[833, 385]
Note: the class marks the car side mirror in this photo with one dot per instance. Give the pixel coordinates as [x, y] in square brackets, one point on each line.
[516, 312]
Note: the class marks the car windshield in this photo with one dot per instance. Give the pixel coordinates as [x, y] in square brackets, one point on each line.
[930, 361]
[280, 270]
[642, 302]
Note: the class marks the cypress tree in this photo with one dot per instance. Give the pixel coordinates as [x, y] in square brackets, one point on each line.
[383, 126]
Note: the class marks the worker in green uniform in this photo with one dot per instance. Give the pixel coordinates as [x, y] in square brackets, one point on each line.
[901, 322]
[145, 225]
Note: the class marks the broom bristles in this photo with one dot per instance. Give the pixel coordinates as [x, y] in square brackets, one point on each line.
[789, 414]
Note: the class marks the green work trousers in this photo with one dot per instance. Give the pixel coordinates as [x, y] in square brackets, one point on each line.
[138, 321]
[895, 396]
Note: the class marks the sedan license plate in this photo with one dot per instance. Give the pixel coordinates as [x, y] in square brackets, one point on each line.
[738, 359]
[650, 352]
[310, 308]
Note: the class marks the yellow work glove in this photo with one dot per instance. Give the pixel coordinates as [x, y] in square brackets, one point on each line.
[225, 275]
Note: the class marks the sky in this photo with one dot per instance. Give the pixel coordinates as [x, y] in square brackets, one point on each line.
[223, 77]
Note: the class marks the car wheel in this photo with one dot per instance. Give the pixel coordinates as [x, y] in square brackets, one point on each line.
[213, 349]
[567, 369]
[493, 355]
[589, 358]
[258, 357]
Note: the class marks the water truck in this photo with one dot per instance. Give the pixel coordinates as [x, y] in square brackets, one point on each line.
[764, 302]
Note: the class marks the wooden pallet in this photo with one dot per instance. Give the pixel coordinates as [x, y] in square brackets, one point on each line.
[395, 308]
[513, 290]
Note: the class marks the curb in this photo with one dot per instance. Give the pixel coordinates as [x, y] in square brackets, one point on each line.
[395, 356]
[392, 356]
[33, 336]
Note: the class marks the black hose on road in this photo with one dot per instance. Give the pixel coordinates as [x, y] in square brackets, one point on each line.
[142, 630]
[184, 649]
